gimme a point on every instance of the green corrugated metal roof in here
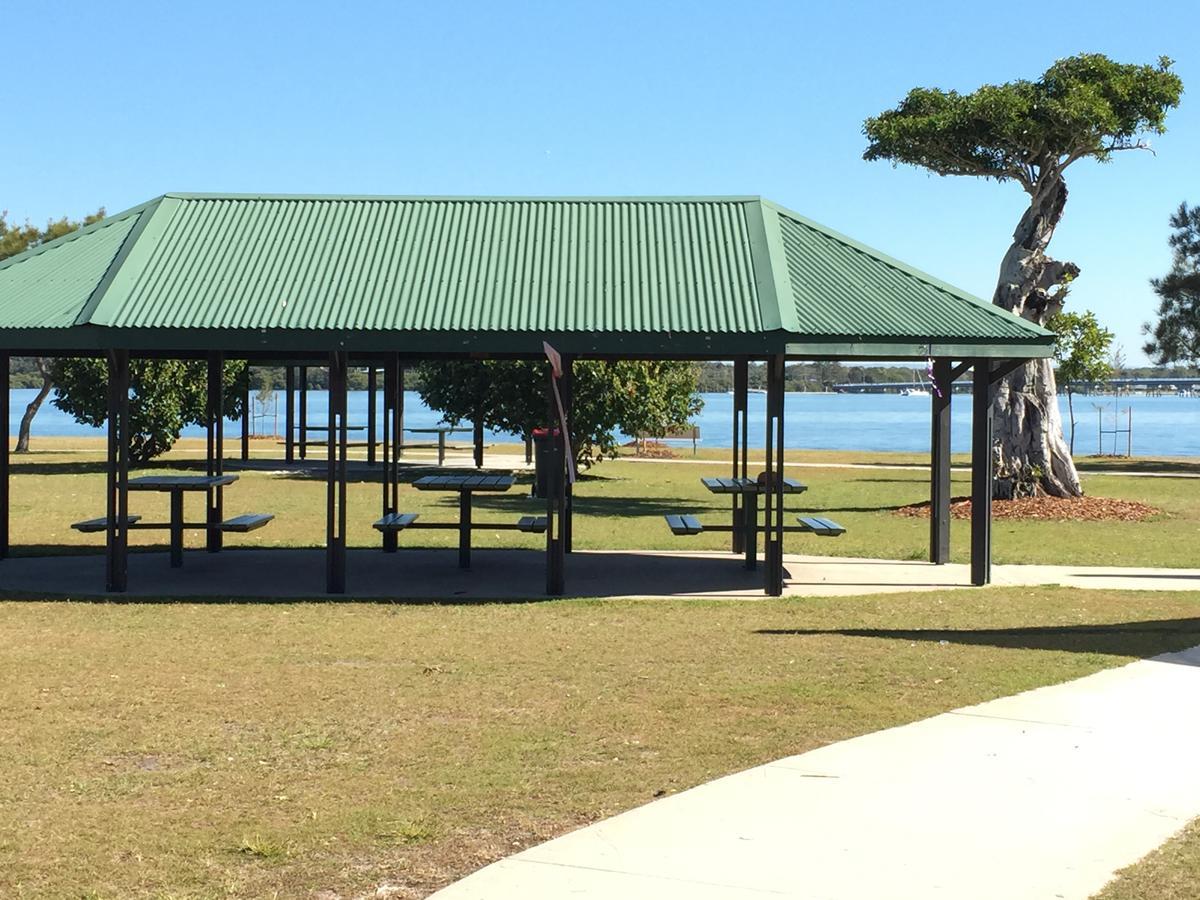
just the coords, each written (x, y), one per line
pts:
(683, 275)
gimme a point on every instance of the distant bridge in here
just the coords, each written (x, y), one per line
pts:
(1190, 383)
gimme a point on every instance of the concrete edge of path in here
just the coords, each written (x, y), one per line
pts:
(1042, 794)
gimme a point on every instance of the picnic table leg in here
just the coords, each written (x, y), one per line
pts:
(464, 529)
(176, 529)
(750, 528)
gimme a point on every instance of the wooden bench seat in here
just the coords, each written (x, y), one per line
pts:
(396, 521)
(820, 526)
(247, 522)
(532, 524)
(101, 524)
(684, 525)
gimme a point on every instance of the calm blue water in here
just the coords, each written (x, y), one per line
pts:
(1162, 426)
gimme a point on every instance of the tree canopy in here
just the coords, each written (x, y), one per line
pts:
(165, 396)
(1175, 337)
(1084, 106)
(1030, 131)
(631, 397)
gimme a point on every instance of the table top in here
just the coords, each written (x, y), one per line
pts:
(464, 483)
(179, 482)
(749, 486)
(446, 429)
(326, 427)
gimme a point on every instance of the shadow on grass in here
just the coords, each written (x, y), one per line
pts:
(1137, 640)
(1158, 466)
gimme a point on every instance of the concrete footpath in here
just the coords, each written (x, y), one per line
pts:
(1040, 795)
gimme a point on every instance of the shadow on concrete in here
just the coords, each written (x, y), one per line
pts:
(1137, 640)
(407, 576)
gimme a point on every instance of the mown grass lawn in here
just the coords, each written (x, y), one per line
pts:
(620, 505)
(249, 750)
(261, 750)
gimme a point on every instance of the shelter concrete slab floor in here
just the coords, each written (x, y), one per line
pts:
(283, 573)
(1040, 795)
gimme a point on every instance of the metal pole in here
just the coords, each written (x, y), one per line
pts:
(390, 473)
(567, 392)
(773, 490)
(289, 415)
(372, 389)
(939, 466)
(116, 543)
(4, 461)
(981, 474)
(246, 408)
(215, 416)
(335, 510)
(741, 395)
(304, 415)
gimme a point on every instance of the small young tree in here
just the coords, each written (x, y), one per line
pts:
(16, 239)
(1030, 132)
(1081, 352)
(165, 396)
(1175, 337)
(607, 397)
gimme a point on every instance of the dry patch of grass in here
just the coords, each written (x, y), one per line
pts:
(249, 750)
(1171, 872)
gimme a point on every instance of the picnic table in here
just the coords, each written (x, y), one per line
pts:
(749, 489)
(466, 486)
(441, 431)
(177, 486)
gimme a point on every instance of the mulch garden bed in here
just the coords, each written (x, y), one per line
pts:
(1085, 509)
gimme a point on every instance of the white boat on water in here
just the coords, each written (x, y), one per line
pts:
(914, 392)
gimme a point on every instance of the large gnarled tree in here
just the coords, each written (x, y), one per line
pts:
(1084, 107)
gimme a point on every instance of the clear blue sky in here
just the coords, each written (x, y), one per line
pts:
(113, 103)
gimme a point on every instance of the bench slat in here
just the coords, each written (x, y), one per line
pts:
(532, 524)
(247, 522)
(820, 526)
(100, 524)
(692, 524)
(396, 521)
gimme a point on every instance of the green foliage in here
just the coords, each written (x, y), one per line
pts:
(512, 396)
(1082, 106)
(165, 396)
(1081, 347)
(1175, 337)
(16, 239)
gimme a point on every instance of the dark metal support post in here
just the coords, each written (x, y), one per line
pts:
(555, 500)
(773, 491)
(4, 466)
(939, 466)
(981, 474)
(215, 457)
(116, 538)
(247, 408)
(567, 392)
(304, 415)
(289, 416)
(399, 435)
(335, 510)
(477, 440)
(372, 391)
(391, 472)
(741, 400)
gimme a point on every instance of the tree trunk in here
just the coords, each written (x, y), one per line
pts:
(1028, 426)
(34, 405)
